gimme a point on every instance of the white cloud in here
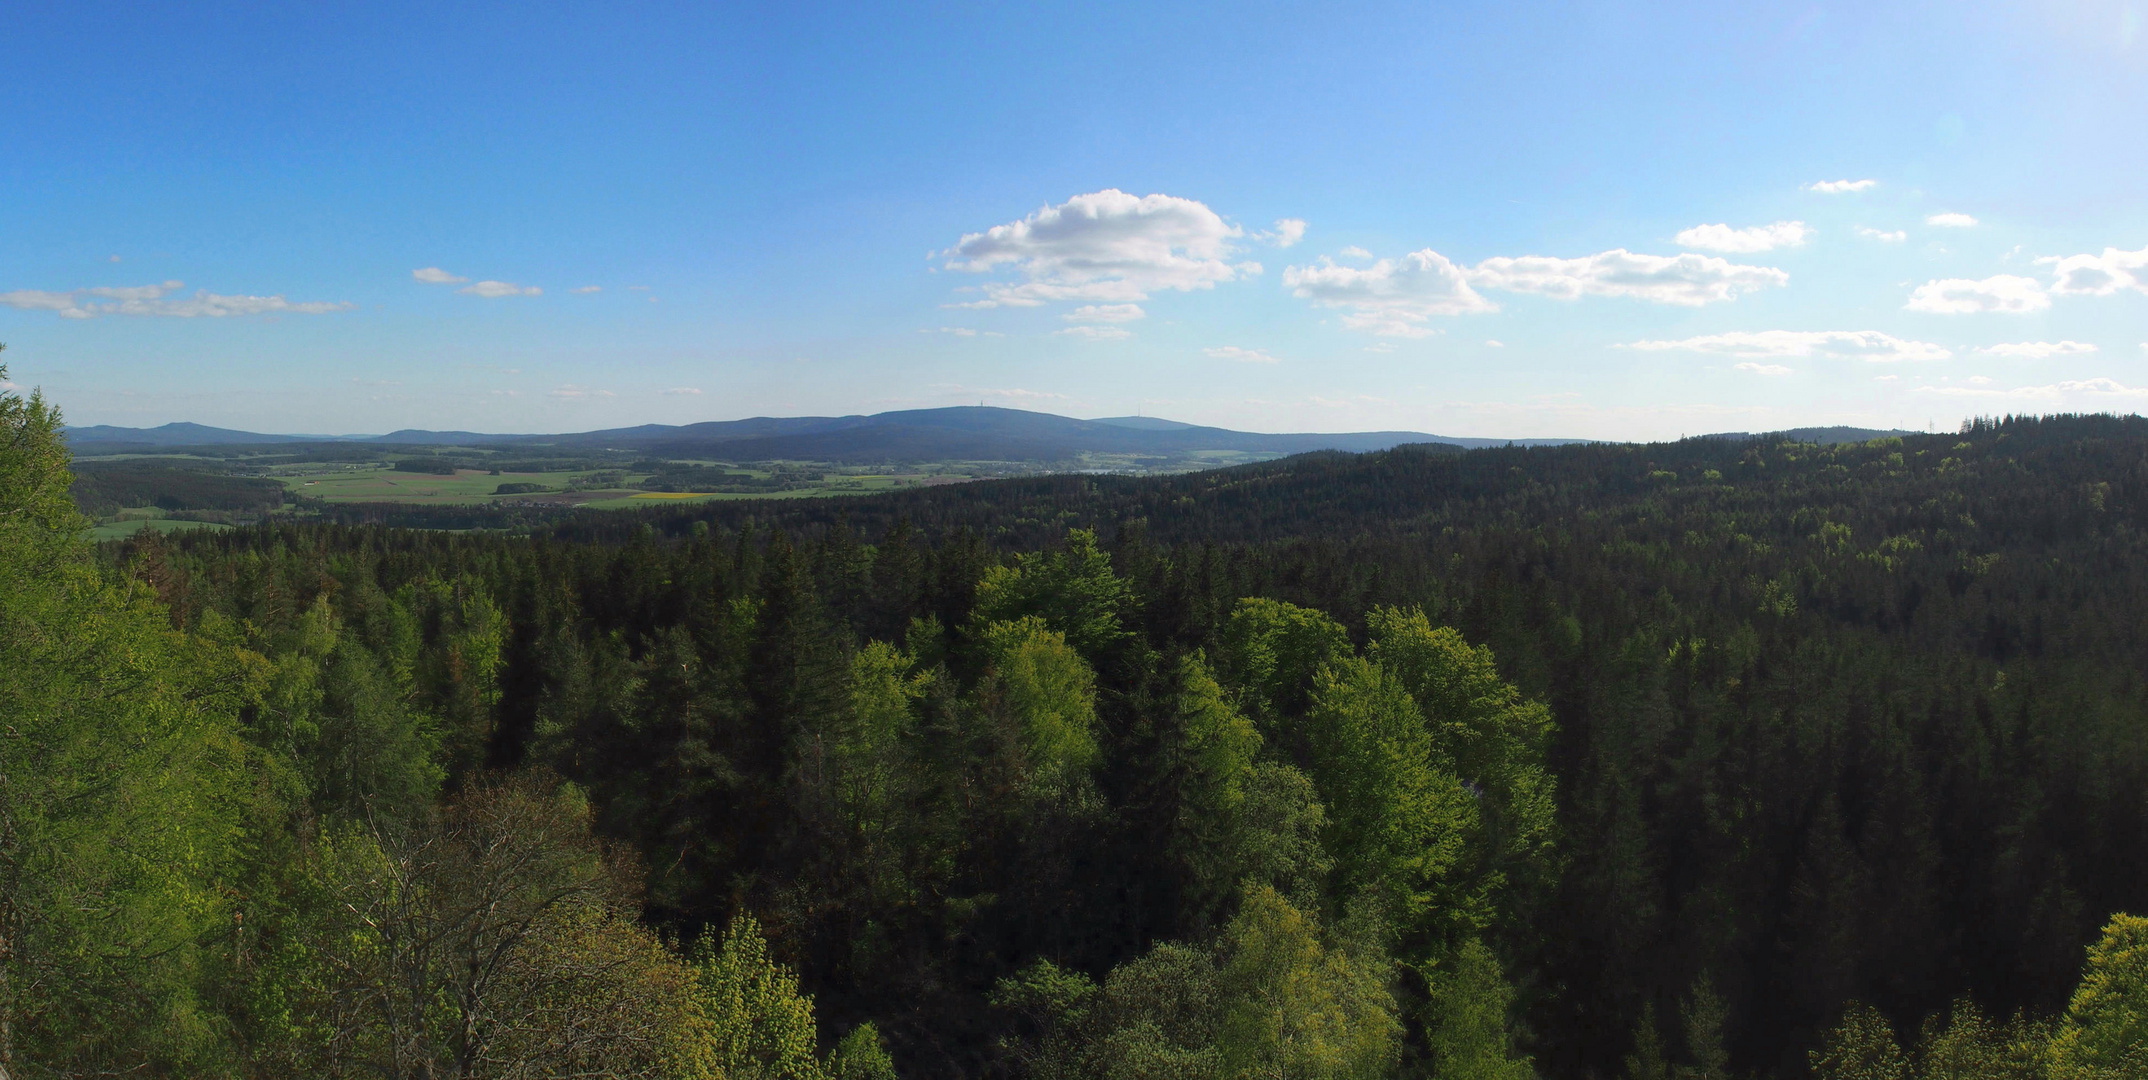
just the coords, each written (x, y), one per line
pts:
(433, 275)
(1685, 280)
(1745, 241)
(1287, 231)
(571, 391)
(585, 289)
(1355, 252)
(682, 391)
(1884, 237)
(153, 301)
(1096, 333)
(1395, 297)
(1979, 380)
(1951, 221)
(1247, 356)
(1961, 296)
(493, 290)
(961, 331)
(1105, 313)
(1495, 343)
(1840, 187)
(1389, 346)
(1762, 369)
(1392, 297)
(2039, 350)
(2090, 390)
(1104, 246)
(2098, 275)
(1870, 346)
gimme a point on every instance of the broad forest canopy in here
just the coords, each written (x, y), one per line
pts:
(1722, 757)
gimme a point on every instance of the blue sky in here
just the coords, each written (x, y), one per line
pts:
(1611, 221)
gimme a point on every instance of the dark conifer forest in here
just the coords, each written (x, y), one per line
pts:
(1722, 758)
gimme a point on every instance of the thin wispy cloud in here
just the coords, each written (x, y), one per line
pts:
(1105, 313)
(961, 331)
(1762, 369)
(1841, 187)
(1095, 333)
(2089, 390)
(433, 275)
(2039, 350)
(156, 301)
(2008, 294)
(1870, 346)
(1746, 241)
(1243, 356)
(681, 391)
(1883, 236)
(493, 290)
(1680, 280)
(1951, 221)
(587, 289)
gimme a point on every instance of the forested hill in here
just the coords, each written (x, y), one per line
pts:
(1706, 759)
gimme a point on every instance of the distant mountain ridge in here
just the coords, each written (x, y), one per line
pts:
(970, 432)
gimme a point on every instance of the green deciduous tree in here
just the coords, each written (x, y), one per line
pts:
(1468, 1030)
(1041, 686)
(2104, 1034)
(121, 794)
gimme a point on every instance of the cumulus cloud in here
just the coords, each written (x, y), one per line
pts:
(1881, 235)
(2039, 350)
(2098, 275)
(493, 290)
(433, 275)
(1840, 187)
(1106, 313)
(587, 289)
(2100, 389)
(156, 301)
(1745, 241)
(1355, 252)
(1392, 297)
(1685, 280)
(1096, 333)
(1246, 356)
(1870, 346)
(2005, 293)
(1951, 221)
(682, 391)
(1762, 369)
(1105, 246)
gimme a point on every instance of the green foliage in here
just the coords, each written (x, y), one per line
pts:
(1468, 1028)
(1862, 1048)
(122, 790)
(1273, 650)
(1272, 998)
(2105, 1029)
(759, 1027)
(1073, 591)
(1041, 685)
(1397, 821)
(1298, 1007)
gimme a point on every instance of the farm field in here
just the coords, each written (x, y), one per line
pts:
(621, 490)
